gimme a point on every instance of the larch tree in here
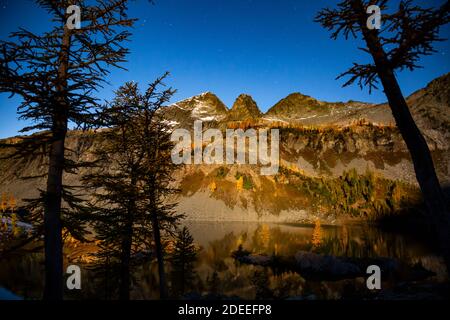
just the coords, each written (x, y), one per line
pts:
(182, 260)
(131, 209)
(404, 37)
(158, 170)
(56, 74)
(119, 223)
(4, 203)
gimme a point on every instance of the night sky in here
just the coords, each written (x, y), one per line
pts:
(267, 49)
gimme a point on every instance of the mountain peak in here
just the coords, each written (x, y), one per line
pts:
(207, 94)
(297, 105)
(205, 107)
(244, 108)
(298, 95)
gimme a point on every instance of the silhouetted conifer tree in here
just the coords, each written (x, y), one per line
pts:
(157, 171)
(125, 199)
(118, 221)
(182, 261)
(405, 36)
(56, 73)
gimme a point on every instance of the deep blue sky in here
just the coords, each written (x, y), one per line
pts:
(264, 48)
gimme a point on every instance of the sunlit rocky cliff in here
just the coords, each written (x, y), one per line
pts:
(337, 159)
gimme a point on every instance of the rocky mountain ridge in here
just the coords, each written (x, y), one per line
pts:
(429, 107)
(334, 157)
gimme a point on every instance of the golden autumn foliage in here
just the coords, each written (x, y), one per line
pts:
(69, 240)
(240, 241)
(317, 234)
(240, 183)
(396, 193)
(264, 235)
(14, 227)
(213, 186)
(4, 203)
(8, 202)
(292, 167)
(244, 125)
(12, 202)
(9, 227)
(254, 123)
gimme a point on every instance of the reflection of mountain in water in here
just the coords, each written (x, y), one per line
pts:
(217, 242)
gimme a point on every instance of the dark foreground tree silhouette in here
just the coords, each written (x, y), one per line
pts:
(119, 222)
(131, 183)
(56, 74)
(182, 259)
(404, 37)
(158, 170)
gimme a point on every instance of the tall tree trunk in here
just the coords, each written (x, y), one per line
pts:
(52, 222)
(53, 244)
(153, 152)
(434, 198)
(124, 289)
(159, 255)
(158, 246)
(127, 241)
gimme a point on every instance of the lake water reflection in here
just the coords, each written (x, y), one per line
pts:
(219, 275)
